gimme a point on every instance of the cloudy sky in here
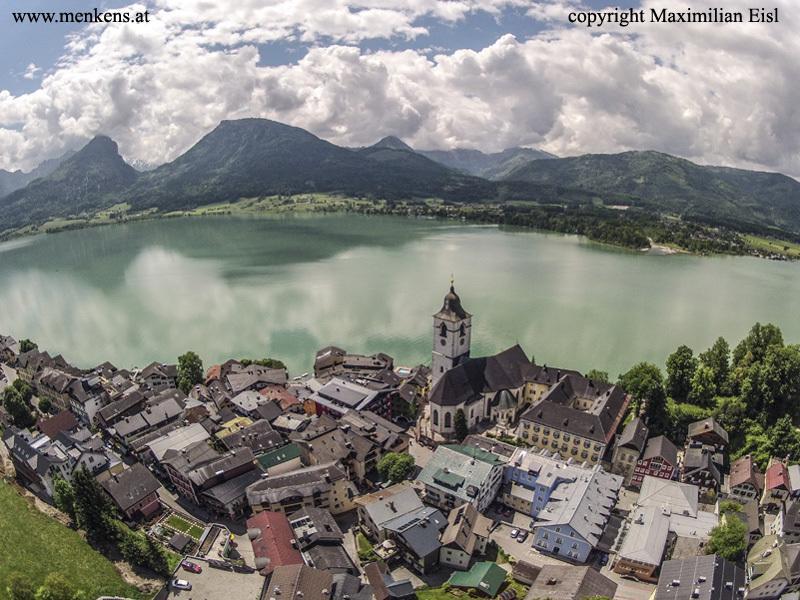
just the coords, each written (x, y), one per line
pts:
(485, 74)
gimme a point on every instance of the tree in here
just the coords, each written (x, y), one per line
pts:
(395, 467)
(679, 416)
(718, 358)
(64, 497)
(56, 587)
(93, 510)
(460, 424)
(190, 371)
(16, 407)
(681, 366)
(20, 587)
(753, 348)
(270, 363)
(703, 387)
(646, 384)
(728, 539)
(598, 375)
(45, 406)
(729, 506)
(26, 345)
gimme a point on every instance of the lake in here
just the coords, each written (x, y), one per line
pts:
(284, 287)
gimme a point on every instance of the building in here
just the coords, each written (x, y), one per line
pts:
(660, 459)
(773, 568)
(332, 361)
(322, 486)
(485, 578)
(702, 466)
(281, 460)
(643, 545)
(707, 431)
(308, 583)
(134, 492)
(378, 508)
(321, 541)
(745, 481)
(157, 377)
(272, 540)
(566, 582)
(628, 448)
(465, 537)
(787, 522)
(452, 333)
(578, 417)
(457, 474)
(384, 586)
(708, 577)
(777, 486)
(416, 535)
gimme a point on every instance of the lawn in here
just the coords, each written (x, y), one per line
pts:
(178, 523)
(36, 545)
(446, 592)
(771, 245)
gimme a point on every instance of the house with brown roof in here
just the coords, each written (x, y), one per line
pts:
(628, 447)
(52, 426)
(567, 582)
(745, 482)
(273, 541)
(707, 431)
(465, 537)
(660, 459)
(777, 486)
(134, 492)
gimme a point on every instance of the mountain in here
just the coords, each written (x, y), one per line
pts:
(393, 143)
(11, 181)
(488, 166)
(667, 184)
(87, 180)
(258, 157)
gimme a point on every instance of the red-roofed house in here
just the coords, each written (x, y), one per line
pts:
(273, 541)
(776, 486)
(745, 481)
(63, 421)
(282, 396)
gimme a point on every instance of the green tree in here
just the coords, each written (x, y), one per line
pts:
(731, 412)
(270, 363)
(395, 467)
(20, 587)
(26, 345)
(93, 510)
(718, 358)
(157, 557)
(64, 497)
(45, 406)
(190, 371)
(56, 587)
(460, 424)
(753, 348)
(16, 407)
(681, 366)
(598, 375)
(729, 506)
(679, 416)
(645, 384)
(703, 387)
(729, 539)
(24, 390)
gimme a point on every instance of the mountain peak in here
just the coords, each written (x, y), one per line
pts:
(392, 142)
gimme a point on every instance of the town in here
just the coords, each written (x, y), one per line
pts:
(484, 477)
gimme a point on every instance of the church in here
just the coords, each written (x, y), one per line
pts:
(492, 388)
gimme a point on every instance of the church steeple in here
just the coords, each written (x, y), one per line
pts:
(452, 330)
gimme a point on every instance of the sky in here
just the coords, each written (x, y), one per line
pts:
(485, 74)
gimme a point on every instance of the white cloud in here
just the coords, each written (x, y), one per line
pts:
(30, 71)
(724, 94)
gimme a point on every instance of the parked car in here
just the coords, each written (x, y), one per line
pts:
(522, 536)
(181, 584)
(603, 560)
(191, 567)
(514, 533)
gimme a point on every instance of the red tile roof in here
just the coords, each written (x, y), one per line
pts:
(272, 537)
(281, 395)
(63, 421)
(777, 475)
(744, 470)
(213, 373)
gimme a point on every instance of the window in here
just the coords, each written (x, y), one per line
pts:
(447, 419)
(556, 434)
(584, 455)
(443, 330)
(435, 417)
(462, 331)
(566, 437)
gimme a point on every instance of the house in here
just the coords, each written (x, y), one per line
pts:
(61, 422)
(384, 586)
(273, 541)
(484, 577)
(343, 393)
(501, 450)
(229, 498)
(321, 541)
(578, 418)
(280, 460)
(246, 403)
(9, 349)
(628, 448)
(794, 481)
(702, 467)
(749, 515)
(773, 568)
(777, 486)
(745, 482)
(416, 535)
(259, 437)
(156, 378)
(134, 492)
(332, 361)
(456, 474)
(787, 522)
(378, 508)
(707, 431)
(128, 404)
(644, 543)
(465, 537)
(308, 583)
(323, 486)
(567, 582)
(660, 459)
(525, 572)
(708, 577)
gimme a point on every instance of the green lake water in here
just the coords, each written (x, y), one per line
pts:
(284, 287)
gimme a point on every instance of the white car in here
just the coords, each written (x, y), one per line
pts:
(181, 584)
(514, 533)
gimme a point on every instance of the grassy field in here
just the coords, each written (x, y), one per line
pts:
(774, 246)
(178, 523)
(446, 592)
(35, 545)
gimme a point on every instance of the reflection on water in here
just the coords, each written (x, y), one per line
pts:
(227, 287)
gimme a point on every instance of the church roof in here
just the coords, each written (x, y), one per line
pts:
(451, 308)
(467, 381)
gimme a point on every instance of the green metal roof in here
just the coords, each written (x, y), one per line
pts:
(448, 479)
(476, 453)
(278, 456)
(486, 577)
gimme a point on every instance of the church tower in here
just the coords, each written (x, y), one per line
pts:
(452, 330)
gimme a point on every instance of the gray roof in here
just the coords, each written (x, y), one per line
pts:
(314, 525)
(419, 529)
(663, 447)
(646, 536)
(233, 490)
(711, 576)
(567, 582)
(404, 502)
(130, 486)
(259, 437)
(330, 558)
(454, 473)
(302, 482)
(451, 308)
(707, 426)
(634, 435)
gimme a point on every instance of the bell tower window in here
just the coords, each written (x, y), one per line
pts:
(443, 330)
